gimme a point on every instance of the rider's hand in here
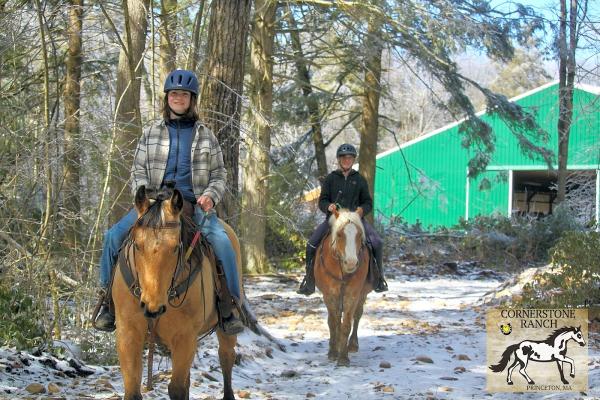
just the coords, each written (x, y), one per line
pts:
(360, 211)
(331, 207)
(206, 203)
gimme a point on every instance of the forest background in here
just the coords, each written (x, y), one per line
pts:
(283, 83)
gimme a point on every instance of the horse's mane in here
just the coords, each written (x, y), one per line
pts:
(550, 339)
(152, 217)
(345, 216)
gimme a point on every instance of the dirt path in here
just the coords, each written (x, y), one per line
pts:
(425, 338)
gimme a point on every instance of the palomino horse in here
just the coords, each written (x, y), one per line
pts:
(176, 299)
(341, 269)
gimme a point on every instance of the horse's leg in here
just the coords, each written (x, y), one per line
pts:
(333, 320)
(560, 359)
(510, 371)
(524, 373)
(570, 361)
(559, 364)
(130, 344)
(350, 305)
(182, 354)
(353, 343)
(227, 359)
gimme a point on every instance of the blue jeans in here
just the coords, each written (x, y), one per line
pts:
(113, 239)
(214, 232)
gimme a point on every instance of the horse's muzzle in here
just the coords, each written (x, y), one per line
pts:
(153, 314)
(349, 266)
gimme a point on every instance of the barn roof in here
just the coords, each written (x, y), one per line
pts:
(584, 87)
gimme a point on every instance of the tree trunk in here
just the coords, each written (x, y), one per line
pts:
(127, 114)
(370, 109)
(220, 99)
(311, 102)
(256, 170)
(194, 55)
(72, 149)
(168, 29)
(566, 82)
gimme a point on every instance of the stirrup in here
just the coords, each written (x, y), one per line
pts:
(102, 317)
(105, 321)
(305, 288)
(231, 325)
(382, 286)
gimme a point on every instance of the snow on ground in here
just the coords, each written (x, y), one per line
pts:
(425, 338)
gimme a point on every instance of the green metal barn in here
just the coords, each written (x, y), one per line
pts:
(425, 180)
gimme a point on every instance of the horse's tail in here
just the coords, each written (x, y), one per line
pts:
(505, 358)
(251, 322)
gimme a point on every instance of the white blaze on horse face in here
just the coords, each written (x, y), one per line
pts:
(351, 251)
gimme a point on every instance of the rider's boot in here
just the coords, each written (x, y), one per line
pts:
(307, 287)
(381, 285)
(228, 321)
(106, 317)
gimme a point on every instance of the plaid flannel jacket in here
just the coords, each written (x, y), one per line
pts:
(208, 170)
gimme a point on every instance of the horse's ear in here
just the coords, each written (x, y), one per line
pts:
(336, 213)
(141, 200)
(176, 202)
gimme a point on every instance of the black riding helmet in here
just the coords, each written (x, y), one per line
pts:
(346, 149)
(181, 79)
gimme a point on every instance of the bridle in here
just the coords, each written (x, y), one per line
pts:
(131, 275)
(340, 258)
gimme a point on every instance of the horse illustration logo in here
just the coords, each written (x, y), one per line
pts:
(506, 329)
(554, 348)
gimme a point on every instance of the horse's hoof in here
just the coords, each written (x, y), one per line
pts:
(352, 348)
(343, 362)
(228, 396)
(509, 383)
(572, 375)
(566, 382)
(531, 382)
(332, 355)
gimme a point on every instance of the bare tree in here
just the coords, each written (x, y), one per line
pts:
(194, 55)
(168, 29)
(221, 93)
(127, 113)
(258, 142)
(369, 126)
(312, 103)
(72, 147)
(566, 82)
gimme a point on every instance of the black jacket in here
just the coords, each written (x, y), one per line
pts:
(353, 192)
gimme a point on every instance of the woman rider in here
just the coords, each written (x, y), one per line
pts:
(178, 148)
(347, 188)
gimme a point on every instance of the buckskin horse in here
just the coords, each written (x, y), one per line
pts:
(341, 270)
(170, 298)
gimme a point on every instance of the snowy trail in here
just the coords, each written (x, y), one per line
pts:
(422, 339)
